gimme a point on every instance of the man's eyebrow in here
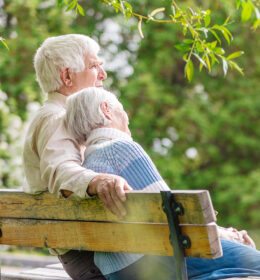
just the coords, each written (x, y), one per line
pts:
(96, 61)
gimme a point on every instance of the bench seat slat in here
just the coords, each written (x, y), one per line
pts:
(115, 237)
(16, 204)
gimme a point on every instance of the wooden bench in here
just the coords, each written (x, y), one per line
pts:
(45, 221)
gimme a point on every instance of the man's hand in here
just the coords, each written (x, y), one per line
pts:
(247, 239)
(111, 190)
(235, 235)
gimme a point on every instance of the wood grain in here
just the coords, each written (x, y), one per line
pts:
(113, 237)
(16, 204)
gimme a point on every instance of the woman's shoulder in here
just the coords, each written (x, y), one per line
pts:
(126, 144)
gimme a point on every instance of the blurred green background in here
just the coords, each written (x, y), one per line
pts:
(201, 135)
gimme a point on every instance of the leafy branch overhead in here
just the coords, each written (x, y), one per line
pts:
(202, 40)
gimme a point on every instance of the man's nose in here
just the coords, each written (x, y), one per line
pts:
(102, 75)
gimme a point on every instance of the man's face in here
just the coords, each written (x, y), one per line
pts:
(92, 75)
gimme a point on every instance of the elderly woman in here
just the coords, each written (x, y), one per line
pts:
(95, 117)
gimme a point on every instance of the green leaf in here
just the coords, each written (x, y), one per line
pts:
(182, 47)
(207, 20)
(215, 35)
(116, 5)
(199, 48)
(225, 66)
(235, 55)
(60, 3)
(189, 70)
(128, 15)
(213, 59)
(219, 51)
(178, 14)
(213, 44)
(184, 30)
(4, 43)
(188, 41)
(185, 57)
(235, 65)
(208, 62)
(128, 7)
(191, 11)
(226, 33)
(256, 24)
(191, 31)
(81, 10)
(246, 11)
(226, 37)
(72, 5)
(238, 3)
(226, 21)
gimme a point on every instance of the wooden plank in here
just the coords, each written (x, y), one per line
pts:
(111, 237)
(57, 266)
(21, 276)
(46, 272)
(16, 204)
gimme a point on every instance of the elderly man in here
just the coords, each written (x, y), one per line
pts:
(52, 158)
(95, 116)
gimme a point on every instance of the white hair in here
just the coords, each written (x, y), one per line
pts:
(57, 53)
(83, 112)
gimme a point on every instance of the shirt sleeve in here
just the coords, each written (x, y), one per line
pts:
(135, 165)
(60, 159)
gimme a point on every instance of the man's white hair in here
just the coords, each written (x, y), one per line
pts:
(83, 111)
(58, 53)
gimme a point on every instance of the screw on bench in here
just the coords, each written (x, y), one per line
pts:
(185, 241)
(177, 208)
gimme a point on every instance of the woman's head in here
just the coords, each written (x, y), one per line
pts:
(92, 108)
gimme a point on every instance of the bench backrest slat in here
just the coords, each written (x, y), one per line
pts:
(114, 237)
(141, 207)
(46, 221)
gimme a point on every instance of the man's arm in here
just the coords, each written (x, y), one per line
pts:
(60, 164)
(60, 158)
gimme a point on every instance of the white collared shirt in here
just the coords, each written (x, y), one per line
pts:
(52, 158)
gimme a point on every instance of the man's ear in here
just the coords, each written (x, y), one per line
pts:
(106, 110)
(66, 77)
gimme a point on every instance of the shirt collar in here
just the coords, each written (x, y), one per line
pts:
(57, 98)
(105, 133)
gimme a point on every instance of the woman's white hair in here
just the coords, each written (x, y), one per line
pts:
(57, 53)
(83, 111)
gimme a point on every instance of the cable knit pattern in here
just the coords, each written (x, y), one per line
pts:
(112, 151)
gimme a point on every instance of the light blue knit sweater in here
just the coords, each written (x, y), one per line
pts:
(112, 151)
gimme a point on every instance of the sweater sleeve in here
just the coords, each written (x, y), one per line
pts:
(133, 163)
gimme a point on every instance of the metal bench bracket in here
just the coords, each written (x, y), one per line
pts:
(178, 241)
